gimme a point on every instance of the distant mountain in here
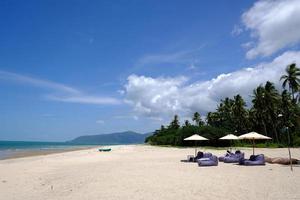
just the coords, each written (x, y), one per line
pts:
(128, 137)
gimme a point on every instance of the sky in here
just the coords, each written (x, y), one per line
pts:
(71, 68)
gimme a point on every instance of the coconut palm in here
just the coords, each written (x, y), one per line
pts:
(187, 123)
(272, 101)
(213, 119)
(259, 107)
(286, 108)
(240, 114)
(197, 119)
(224, 111)
(291, 78)
(175, 124)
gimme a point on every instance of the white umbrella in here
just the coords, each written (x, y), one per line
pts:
(229, 137)
(195, 138)
(254, 136)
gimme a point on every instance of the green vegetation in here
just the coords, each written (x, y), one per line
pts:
(273, 114)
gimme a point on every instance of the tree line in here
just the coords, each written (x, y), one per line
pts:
(272, 113)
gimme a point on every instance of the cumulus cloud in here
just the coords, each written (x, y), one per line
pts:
(60, 92)
(148, 95)
(166, 96)
(273, 24)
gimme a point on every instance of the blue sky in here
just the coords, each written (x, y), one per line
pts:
(70, 68)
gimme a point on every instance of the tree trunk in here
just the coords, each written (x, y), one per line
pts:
(293, 95)
(276, 134)
(265, 129)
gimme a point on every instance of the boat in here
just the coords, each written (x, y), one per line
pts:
(104, 149)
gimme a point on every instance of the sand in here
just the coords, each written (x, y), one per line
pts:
(144, 172)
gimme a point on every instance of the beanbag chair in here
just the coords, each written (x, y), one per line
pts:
(207, 155)
(200, 155)
(234, 158)
(231, 157)
(211, 161)
(254, 160)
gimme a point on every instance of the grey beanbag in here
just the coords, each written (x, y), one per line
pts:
(211, 161)
(233, 158)
(254, 160)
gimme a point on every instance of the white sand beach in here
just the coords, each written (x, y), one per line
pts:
(144, 172)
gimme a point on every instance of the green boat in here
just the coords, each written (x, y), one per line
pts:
(104, 150)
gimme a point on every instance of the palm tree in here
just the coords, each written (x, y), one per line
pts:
(197, 119)
(286, 108)
(291, 79)
(175, 124)
(259, 106)
(240, 114)
(224, 111)
(213, 119)
(289, 110)
(187, 123)
(272, 103)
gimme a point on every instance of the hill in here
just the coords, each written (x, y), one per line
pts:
(127, 137)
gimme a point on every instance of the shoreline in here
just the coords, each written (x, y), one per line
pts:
(14, 154)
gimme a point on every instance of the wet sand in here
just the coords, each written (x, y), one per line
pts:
(39, 152)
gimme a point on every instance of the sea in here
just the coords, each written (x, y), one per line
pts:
(9, 149)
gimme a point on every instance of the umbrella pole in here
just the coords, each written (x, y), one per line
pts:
(253, 146)
(195, 148)
(289, 142)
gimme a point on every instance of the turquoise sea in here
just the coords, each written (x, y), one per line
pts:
(8, 148)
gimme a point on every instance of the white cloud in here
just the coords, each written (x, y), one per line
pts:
(84, 99)
(273, 24)
(100, 121)
(60, 92)
(237, 30)
(247, 45)
(163, 97)
(148, 95)
(179, 57)
(162, 58)
(127, 117)
(4, 75)
(121, 92)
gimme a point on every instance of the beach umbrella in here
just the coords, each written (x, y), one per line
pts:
(254, 136)
(195, 138)
(229, 137)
